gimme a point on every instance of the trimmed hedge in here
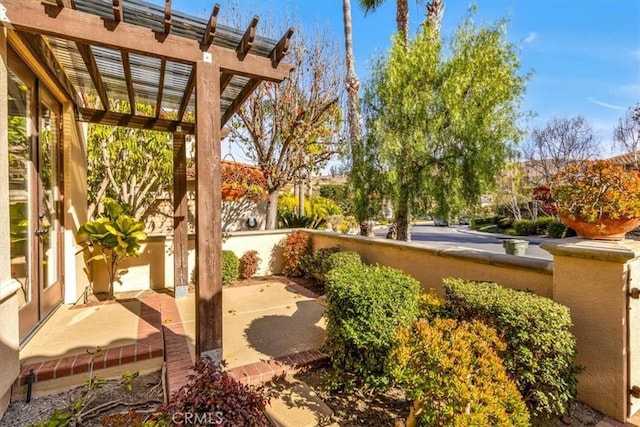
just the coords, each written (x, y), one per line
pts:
(524, 227)
(543, 223)
(365, 306)
(320, 262)
(453, 372)
(339, 259)
(312, 263)
(540, 346)
(558, 230)
(230, 264)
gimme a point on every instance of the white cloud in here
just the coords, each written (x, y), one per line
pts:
(531, 37)
(604, 104)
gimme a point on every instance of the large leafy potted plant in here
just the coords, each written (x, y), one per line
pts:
(598, 199)
(117, 234)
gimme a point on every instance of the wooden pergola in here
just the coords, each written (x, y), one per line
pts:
(196, 74)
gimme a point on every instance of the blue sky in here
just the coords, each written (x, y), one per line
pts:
(584, 54)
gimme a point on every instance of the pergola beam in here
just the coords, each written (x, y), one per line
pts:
(40, 50)
(112, 118)
(117, 10)
(210, 31)
(246, 91)
(167, 16)
(180, 217)
(187, 94)
(225, 79)
(126, 66)
(246, 43)
(163, 70)
(208, 340)
(70, 24)
(94, 72)
(281, 49)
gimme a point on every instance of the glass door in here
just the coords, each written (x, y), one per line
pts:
(49, 232)
(34, 195)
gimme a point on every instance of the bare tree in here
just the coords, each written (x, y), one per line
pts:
(626, 134)
(560, 142)
(291, 129)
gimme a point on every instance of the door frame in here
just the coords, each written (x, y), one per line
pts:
(43, 300)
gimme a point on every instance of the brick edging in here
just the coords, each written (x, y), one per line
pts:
(266, 370)
(150, 347)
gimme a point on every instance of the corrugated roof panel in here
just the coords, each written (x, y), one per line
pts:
(145, 70)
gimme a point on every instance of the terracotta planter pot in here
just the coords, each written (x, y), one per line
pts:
(604, 229)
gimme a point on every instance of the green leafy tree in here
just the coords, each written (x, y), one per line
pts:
(444, 117)
(131, 166)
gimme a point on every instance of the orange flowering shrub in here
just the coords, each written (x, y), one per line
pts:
(455, 375)
(245, 180)
(593, 189)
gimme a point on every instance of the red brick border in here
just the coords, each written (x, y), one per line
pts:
(266, 370)
(149, 347)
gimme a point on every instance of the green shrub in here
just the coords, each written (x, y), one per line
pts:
(320, 262)
(558, 230)
(339, 259)
(365, 306)
(293, 220)
(297, 246)
(319, 207)
(505, 223)
(524, 227)
(540, 346)
(491, 228)
(431, 305)
(455, 376)
(312, 264)
(230, 264)
(479, 222)
(249, 263)
(543, 223)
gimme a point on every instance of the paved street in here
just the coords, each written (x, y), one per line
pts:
(462, 236)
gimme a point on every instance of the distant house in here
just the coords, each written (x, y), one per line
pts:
(629, 160)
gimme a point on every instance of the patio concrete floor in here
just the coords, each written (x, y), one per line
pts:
(273, 320)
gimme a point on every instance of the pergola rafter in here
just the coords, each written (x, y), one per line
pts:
(161, 58)
(210, 31)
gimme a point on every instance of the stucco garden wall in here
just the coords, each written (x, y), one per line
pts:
(154, 268)
(429, 264)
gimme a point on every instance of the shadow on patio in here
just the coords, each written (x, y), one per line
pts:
(268, 328)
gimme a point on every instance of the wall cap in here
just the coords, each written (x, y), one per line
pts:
(8, 289)
(606, 250)
(474, 255)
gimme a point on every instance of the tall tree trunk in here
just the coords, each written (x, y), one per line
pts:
(435, 10)
(402, 216)
(272, 210)
(353, 105)
(402, 18)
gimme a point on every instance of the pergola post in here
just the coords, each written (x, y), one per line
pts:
(180, 217)
(208, 211)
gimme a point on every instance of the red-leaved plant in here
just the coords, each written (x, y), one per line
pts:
(212, 395)
(249, 264)
(297, 246)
